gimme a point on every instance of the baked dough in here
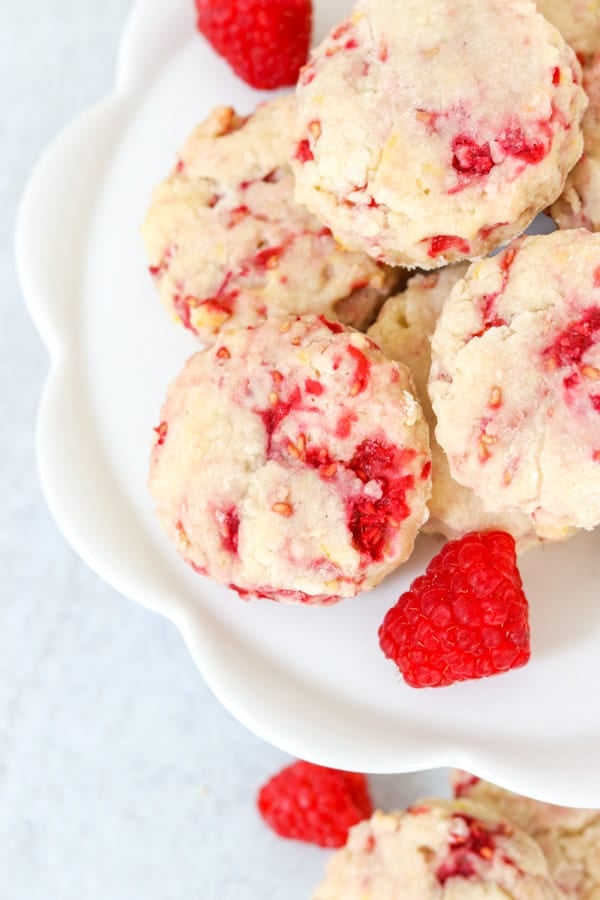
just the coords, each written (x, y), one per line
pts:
(227, 244)
(433, 132)
(515, 381)
(292, 462)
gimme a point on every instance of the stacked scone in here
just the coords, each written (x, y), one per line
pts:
(296, 458)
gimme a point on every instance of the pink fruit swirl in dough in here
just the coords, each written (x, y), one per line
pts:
(292, 462)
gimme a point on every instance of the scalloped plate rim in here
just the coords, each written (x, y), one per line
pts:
(476, 757)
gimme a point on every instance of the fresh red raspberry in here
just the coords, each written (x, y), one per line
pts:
(315, 804)
(466, 617)
(266, 42)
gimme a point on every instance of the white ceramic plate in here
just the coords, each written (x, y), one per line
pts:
(312, 681)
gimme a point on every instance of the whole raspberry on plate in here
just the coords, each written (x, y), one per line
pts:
(265, 43)
(466, 617)
(314, 803)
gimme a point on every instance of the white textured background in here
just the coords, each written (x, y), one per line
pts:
(120, 775)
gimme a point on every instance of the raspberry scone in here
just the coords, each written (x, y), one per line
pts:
(515, 381)
(577, 20)
(416, 143)
(227, 243)
(292, 461)
(579, 204)
(437, 850)
(570, 838)
(403, 331)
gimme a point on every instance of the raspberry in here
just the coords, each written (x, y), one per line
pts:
(570, 346)
(314, 804)
(514, 143)
(265, 43)
(471, 158)
(467, 850)
(466, 617)
(442, 242)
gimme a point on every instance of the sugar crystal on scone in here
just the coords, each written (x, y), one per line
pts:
(438, 850)
(228, 245)
(292, 461)
(433, 132)
(515, 381)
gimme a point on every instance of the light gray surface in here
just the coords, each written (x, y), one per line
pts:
(121, 777)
